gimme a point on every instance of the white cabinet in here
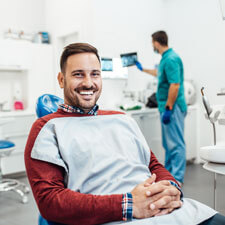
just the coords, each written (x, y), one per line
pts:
(27, 67)
(17, 131)
(149, 123)
(30, 67)
(191, 133)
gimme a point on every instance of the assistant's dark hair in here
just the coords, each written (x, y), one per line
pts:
(76, 48)
(161, 37)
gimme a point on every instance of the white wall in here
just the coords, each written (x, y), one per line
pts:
(122, 27)
(114, 27)
(67, 21)
(197, 32)
(26, 15)
(195, 28)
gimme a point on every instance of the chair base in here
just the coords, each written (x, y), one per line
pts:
(16, 186)
(6, 151)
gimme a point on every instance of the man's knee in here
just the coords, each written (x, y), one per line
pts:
(217, 219)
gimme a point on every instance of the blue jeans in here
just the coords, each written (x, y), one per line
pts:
(174, 144)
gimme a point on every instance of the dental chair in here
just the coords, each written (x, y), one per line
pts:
(47, 104)
(6, 147)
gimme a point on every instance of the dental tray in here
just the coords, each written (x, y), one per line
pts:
(214, 153)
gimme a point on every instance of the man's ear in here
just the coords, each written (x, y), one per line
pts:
(61, 79)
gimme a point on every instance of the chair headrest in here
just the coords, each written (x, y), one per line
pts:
(47, 104)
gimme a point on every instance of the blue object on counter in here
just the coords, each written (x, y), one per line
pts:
(44, 37)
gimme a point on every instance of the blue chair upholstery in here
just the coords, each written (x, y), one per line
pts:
(42, 221)
(47, 104)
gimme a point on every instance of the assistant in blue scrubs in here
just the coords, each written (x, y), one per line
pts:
(170, 71)
(171, 104)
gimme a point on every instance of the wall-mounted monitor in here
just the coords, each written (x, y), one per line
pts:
(107, 64)
(129, 59)
(113, 69)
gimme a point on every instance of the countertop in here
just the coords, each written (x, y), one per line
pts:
(215, 167)
(17, 113)
(147, 110)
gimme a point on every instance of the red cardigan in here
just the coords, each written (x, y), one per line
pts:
(60, 204)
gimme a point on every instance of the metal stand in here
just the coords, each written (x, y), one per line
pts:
(13, 185)
(214, 203)
(214, 140)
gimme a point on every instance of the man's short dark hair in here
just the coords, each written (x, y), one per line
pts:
(76, 48)
(161, 37)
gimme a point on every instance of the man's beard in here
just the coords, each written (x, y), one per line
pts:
(156, 50)
(74, 99)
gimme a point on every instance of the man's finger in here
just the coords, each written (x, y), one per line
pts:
(156, 188)
(164, 182)
(163, 212)
(161, 203)
(150, 180)
(174, 204)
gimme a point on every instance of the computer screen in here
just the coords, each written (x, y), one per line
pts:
(107, 64)
(128, 59)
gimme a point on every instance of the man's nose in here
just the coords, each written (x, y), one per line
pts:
(87, 81)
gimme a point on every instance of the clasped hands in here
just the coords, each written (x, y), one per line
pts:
(155, 199)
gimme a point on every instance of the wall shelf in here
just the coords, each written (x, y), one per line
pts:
(16, 68)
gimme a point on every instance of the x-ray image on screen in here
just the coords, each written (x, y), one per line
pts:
(107, 64)
(128, 59)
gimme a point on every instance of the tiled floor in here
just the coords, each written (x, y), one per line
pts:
(198, 185)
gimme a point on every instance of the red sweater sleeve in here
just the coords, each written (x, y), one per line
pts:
(159, 170)
(60, 204)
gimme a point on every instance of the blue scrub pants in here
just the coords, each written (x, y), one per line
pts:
(174, 144)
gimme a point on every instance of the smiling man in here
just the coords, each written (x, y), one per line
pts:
(81, 79)
(89, 166)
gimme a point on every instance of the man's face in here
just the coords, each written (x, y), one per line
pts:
(155, 46)
(82, 81)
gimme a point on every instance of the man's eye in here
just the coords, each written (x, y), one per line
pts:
(77, 74)
(95, 74)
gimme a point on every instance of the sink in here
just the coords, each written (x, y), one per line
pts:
(213, 153)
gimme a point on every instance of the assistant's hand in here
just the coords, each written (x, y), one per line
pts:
(139, 66)
(164, 196)
(166, 118)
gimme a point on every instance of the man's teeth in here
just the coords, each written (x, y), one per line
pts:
(86, 92)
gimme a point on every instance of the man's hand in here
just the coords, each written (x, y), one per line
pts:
(165, 197)
(167, 116)
(139, 66)
(141, 201)
(154, 199)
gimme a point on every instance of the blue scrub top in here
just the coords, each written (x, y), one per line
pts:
(170, 71)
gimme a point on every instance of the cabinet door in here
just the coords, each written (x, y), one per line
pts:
(149, 124)
(16, 131)
(190, 134)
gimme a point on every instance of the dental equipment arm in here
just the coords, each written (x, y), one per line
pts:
(209, 112)
(206, 103)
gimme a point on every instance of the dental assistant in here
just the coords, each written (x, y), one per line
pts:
(171, 104)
